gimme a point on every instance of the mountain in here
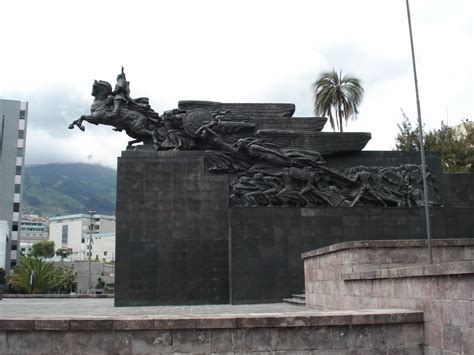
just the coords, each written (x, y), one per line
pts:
(61, 189)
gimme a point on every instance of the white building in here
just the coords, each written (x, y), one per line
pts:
(26, 248)
(34, 228)
(73, 231)
(4, 234)
(103, 247)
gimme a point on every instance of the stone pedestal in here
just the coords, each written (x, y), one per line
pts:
(172, 232)
(179, 242)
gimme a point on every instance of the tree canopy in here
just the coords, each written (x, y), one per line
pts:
(34, 275)
(337, 97)
(455, 144)
(43, 249)
(62, 278)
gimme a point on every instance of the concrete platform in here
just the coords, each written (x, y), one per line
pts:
(95, 326)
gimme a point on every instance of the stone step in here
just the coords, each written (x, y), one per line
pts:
(300, 296)
(295, 301)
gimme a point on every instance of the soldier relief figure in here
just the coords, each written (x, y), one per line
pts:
(267, 163)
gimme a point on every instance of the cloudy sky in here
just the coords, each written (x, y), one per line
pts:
(230, 51)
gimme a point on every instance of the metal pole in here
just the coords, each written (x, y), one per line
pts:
(91, 212)
(422, 147)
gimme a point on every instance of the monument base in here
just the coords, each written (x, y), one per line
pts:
(172, 231)
(179, 242)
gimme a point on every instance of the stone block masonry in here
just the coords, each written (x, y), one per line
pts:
(179, 242)
(309, 332)
(458, 189)
(267, 242)
(172, 244)
(395, 274)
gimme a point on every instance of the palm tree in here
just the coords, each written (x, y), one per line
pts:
(33, 275)
(337, 96)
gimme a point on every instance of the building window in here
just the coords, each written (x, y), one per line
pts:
(15, 227)
(17, 188)
(105, 253)
(64, 233)
(19, 152)
(16, 207)
(18, 170)
(21, 134)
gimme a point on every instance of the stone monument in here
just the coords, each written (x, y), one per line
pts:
(219, 200)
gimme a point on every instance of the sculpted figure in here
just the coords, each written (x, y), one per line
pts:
(117, 109)
(260, 150)
(121, 93)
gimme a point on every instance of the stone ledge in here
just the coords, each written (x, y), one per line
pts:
(37, 295)
(398, 243)
(162, 153)
(440, 269)
(306, 319)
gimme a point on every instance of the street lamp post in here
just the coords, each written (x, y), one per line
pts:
(91, 213)
(420, 137)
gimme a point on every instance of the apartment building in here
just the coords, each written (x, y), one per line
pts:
(13, 123)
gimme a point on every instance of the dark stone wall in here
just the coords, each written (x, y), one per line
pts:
(457, 189)
(172, 232)
(178, 242)
(267, 243)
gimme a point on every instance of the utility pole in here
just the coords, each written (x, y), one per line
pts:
(91, 213)
(420, 137)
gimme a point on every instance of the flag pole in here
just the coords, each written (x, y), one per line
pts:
(420, 137)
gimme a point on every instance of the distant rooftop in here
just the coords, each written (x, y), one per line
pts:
(80, 216)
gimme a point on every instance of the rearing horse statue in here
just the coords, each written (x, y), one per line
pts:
(135, 117)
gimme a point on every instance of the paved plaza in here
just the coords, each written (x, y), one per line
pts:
(74, 307)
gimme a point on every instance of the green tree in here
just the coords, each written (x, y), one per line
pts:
(62, 278)
(2, 276)
(32, 275)
(455, 144)
(43, 249)
(407, 138)
(337, 97)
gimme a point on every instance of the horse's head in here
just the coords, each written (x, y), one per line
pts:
(101, 89)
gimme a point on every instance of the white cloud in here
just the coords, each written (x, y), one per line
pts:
(230, 51)
(92, 146)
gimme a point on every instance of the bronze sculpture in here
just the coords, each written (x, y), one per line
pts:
(270, 154)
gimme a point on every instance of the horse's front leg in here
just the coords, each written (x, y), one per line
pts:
(132, 142)
(78, 123)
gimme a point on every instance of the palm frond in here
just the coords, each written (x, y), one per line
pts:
(337, 97)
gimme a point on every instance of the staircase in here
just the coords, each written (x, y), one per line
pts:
(296, 299)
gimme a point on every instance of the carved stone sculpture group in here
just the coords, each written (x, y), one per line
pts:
(274, 159)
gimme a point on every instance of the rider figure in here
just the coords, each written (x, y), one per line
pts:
(121, 93)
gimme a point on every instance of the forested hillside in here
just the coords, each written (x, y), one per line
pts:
(59, 189)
